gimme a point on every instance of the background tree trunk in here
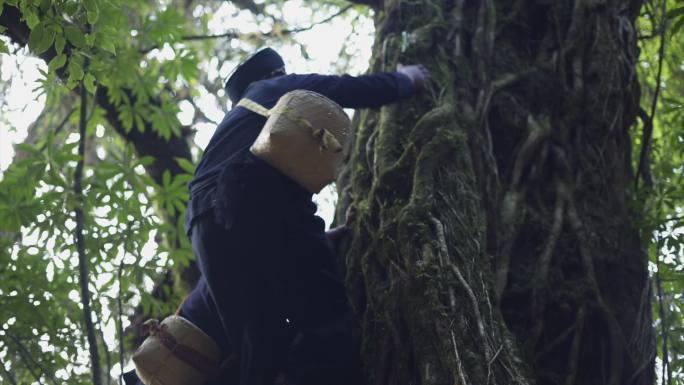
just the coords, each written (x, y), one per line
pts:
(493, 239)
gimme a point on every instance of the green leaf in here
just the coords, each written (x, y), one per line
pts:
(92, 11)
(75, 74)
(57, 62)
(31, 17)
(75, 36)
(41, 38)
(186, 165)
(89, 83)
(677, 26)
(147, 160)
(44, 5)
(59, 43)
(90, 39)
(126, 116)
(3, 47)
(75, 70)
(108, 45)
(139, 122)
(671, 14)
(25, 147)
(166, 178)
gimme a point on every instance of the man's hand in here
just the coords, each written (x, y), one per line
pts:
(418, 74)
(336, 234)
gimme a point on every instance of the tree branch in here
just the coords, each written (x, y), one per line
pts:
(147, 143)
(644, 167)
(80, 246)
(648, 128)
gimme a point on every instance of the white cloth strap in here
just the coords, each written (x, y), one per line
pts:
(254, 107)
(326, 139)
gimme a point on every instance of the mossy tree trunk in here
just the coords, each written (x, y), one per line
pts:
(493, 238)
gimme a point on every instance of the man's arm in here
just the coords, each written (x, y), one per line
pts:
(366, 91)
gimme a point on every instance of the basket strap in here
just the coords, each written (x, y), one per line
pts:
(196, 359)
(324, 137)
(254, 107)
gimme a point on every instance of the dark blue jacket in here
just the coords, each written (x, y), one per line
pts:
(240, 127)
(268, 271)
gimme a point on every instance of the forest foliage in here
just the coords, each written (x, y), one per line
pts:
(120, 72)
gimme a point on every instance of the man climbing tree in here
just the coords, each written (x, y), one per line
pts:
(269, 294)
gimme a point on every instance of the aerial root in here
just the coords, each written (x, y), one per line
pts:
(541, 274)
(575, 347)
(444, 250)
(616, 339)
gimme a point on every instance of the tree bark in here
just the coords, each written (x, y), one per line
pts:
(493, 239)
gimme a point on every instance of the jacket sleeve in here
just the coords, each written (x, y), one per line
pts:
(365, 91)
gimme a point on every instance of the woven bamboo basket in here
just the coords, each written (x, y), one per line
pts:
(176, 353)
(304, 137)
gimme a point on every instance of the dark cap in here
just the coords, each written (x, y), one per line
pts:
(256, 67)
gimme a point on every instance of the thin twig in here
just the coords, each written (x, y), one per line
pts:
(444, 253)
(489, 364)
(663, 321)
(323, 21)
(198, 111)
(459, 365)
(231, 34)
(234, 34)
(8, 374)
(60, 126)
(120, 330)
(108, 354)
(80, 245)
(26, 356)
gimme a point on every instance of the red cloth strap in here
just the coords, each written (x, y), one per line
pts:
(187, 354)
